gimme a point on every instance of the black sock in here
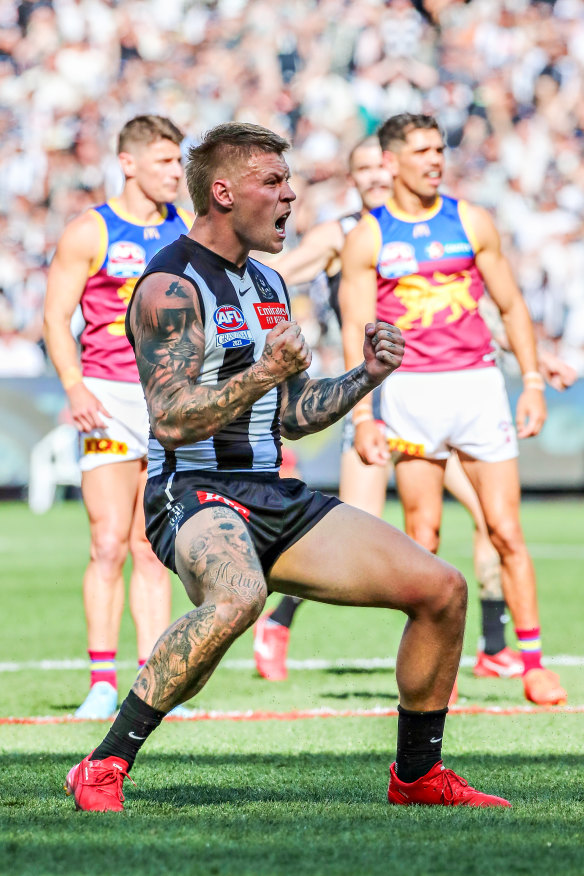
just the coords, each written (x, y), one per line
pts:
(494, 620)
(283, 614)
(135, 722)
(419, 742)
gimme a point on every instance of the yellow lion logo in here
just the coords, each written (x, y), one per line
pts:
(423, 300)
(118, 326)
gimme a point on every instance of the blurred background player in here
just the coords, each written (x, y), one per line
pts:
(98, 260)
(420, 262)
(364, 486)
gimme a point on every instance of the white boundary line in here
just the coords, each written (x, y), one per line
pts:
(310, 665)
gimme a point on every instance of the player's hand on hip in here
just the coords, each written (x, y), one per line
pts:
(531, 413)
(370, 443)
(86, 409)
(383, 349)
(285, 352)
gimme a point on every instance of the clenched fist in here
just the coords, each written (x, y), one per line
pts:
(383, 349)
(285, 352)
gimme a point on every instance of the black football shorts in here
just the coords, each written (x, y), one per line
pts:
(277, 511)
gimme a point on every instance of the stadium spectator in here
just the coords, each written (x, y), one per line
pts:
(223, 370)
(98, 259)
(504, 81)
(420, 262)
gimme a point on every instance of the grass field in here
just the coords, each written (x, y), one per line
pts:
(285, 796)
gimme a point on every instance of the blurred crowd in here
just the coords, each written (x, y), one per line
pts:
(504, 77)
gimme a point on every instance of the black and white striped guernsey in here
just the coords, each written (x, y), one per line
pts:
(239, 306)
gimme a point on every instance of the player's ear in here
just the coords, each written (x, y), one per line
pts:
(222, 192)
(128, 164)
(390, 161)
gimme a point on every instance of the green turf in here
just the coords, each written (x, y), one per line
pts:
(285, 797)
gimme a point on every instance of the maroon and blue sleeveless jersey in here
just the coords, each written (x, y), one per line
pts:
(428, 285)
(239, 306)
(126, 246)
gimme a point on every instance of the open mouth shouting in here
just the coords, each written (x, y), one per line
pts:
(280, 225)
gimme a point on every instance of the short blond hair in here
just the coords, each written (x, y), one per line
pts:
(144, 130)
(229, 142)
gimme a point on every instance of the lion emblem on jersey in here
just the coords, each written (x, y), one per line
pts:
(118, 326)
(423, 299)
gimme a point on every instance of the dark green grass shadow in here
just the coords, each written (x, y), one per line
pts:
(318, 813)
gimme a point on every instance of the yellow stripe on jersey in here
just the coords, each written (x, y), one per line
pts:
(467, 225)
(115, 205)
(374, 225)
(400, 214)
(99, 260)
(187, 217)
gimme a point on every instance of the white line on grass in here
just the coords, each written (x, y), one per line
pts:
(310, 665)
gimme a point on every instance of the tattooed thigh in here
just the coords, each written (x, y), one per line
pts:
(215, 558)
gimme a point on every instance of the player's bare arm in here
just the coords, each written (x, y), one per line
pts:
(319, 249)
(312, 405)
(170, 344)
(358, 300)
(498, 277)
(224, 562)
(66, 281)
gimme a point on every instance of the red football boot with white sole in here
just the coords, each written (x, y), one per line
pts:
(504, 664)
(439, 787)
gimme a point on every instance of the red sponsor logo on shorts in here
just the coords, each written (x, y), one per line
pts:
(204, 496)
(270, 315)
(105, 445)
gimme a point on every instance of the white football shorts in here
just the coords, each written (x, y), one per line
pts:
(125, 436)
(428, 415)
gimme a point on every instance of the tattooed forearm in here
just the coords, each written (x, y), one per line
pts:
(312, 405)
(170, 345)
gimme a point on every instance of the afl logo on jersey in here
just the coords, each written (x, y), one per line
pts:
(126, 259)
(397, 259)
(232, 330)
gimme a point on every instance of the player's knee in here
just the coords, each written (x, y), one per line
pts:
(143, 557)
(425, 533)
(108, 550)
(450, 593)
(240, 610)
(507, 537)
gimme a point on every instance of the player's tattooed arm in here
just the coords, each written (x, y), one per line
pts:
(169, 338)
(311, 405)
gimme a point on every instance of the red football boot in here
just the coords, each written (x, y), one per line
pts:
(542, 686)
(504, 664)
(96, 785)
(270, 646)
(439, 787)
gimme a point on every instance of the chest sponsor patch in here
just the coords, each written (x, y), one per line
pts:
(232, 329)
(126, 259)
(105, 445)
(396, 259)
(205, 496)
(435, 250)
(270, 315)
